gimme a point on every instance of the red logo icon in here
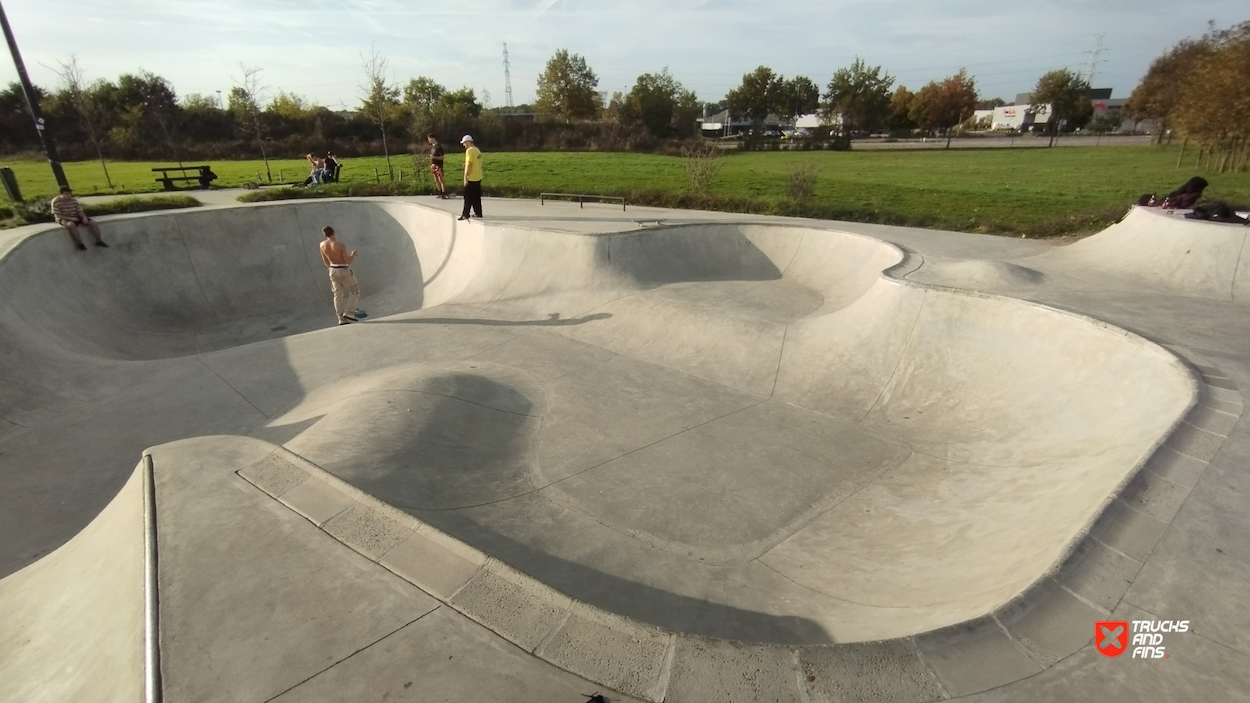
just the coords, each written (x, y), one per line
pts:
(1111, 637)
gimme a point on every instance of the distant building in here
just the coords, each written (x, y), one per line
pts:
(1022, 115)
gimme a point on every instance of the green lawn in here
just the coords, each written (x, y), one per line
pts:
(994, 190)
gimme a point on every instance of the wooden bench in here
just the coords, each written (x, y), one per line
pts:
(203, 175)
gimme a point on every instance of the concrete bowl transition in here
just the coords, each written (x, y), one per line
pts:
(749, 431)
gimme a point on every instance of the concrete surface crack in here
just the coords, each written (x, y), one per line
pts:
(231, 387)
(781, 354)
(902, 355)
(349, 656)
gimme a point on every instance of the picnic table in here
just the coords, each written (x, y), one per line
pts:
(203, 175)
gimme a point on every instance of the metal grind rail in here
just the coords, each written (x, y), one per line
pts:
(581, 198)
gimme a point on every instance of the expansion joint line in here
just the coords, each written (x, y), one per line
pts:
(231, 387)
(358, 651)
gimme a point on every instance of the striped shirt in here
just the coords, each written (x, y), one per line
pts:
(66, 207)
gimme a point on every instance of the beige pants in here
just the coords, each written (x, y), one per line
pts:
(346, 291)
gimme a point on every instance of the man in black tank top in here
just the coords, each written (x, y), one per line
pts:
(436, 164)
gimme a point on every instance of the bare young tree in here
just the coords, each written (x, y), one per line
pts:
(86, 104)
(379, 99)
(248, 94)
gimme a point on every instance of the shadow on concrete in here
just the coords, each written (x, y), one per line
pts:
(471, 453)
(553, 320)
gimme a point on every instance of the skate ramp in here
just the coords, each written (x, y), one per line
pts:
(71, 625)
(1164, 249)
(655, 413)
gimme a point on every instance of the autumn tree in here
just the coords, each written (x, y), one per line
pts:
(939, 106)
(1213, 105)
(858, 96)
(1159, 93)
(1066, 94)
(379, 99)
(567, 88)
(899, 117)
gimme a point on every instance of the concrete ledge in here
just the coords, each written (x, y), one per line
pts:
(875, 671)
(716, 670)
(434, 563)
(317, 500)
(1196, 443)
(1049, 622)
(520, 609)
(975, 656)
(1098, 574)
(274, 474)
(610, 649)
(370, 531)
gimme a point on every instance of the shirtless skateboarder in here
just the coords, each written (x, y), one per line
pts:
(342, 282)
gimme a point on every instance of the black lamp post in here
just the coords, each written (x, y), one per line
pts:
(32, 101)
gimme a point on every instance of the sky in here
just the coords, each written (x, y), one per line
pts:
(314, 48)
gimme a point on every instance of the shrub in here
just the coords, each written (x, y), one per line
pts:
(702, 160)
(801, 182)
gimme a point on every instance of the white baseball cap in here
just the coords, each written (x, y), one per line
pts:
(466, 138)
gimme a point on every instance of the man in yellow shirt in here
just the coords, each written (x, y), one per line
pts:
(472, 178)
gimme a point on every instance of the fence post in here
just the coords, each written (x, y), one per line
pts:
(376, 177)
(280, 178)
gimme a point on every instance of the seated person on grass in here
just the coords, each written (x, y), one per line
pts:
(69, 214)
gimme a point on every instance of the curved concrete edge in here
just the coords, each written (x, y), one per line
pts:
(1034, 631)
(72, 623)
(152, 689)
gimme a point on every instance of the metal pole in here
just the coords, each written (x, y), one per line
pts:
(32, 101)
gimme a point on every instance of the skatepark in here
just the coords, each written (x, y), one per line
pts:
(663, 455)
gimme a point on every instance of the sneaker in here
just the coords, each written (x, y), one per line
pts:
(345, 320)
(360, 314)
(100, 243)
(461, 218)
(351, 318)
(81, 246)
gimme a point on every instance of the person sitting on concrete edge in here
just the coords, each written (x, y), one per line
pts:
(68, 213)
(343, 284)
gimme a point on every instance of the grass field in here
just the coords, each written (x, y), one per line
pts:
(1053, 191)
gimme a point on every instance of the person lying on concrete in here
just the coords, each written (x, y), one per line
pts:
(1186, 196)
(342, 281)
(68, 213)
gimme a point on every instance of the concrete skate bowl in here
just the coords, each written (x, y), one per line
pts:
(737, 430)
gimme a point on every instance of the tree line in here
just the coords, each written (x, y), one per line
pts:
(140, 116)
(1200, 89)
